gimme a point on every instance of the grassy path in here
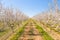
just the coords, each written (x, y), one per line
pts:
(43, 33)
(51, 32)
(18, 32)
(30, 33)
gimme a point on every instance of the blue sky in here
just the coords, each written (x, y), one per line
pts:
(29, 7)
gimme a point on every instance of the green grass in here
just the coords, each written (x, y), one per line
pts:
(3, 32)
(18, 32)
(43, 33)
(52, 28)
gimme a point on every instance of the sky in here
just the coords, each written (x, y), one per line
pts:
(29, 7)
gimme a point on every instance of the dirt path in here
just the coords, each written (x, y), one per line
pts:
(30, 33)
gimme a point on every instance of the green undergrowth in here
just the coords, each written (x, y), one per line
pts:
(18, 33)
(52, 28)
(43, 33)
(2, 33)
(16, 36)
